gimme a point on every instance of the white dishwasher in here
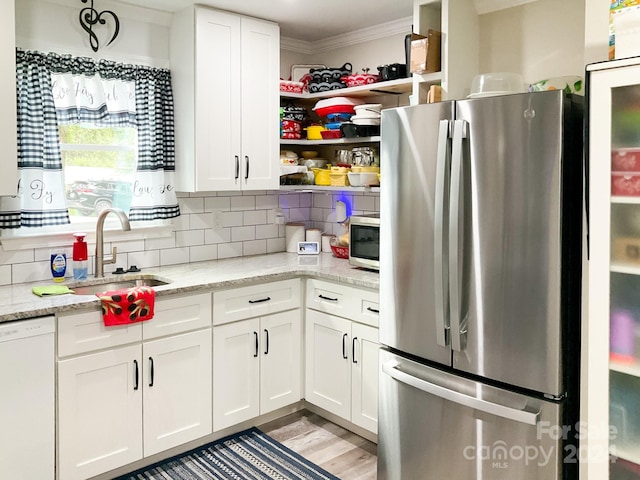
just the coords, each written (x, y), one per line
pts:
(27, 401)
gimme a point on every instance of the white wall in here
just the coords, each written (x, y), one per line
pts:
(53, 25)
(539, 40)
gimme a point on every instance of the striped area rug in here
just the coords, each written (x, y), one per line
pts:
(248, 455)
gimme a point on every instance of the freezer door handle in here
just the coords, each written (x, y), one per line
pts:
(439, 244)
(455, 243)
(522, 416)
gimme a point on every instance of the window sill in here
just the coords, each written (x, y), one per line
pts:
(112, 232)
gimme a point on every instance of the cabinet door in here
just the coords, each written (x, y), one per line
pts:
(217, 101)
(328, 366)
(99, 412)
(177, 390)
(9, 177)
(260, 102)
(236, 373)
(280, 367)
(364, 376)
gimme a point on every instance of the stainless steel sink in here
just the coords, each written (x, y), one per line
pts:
(91, 287)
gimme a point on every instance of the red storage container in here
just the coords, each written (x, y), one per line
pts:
(625, 160)
(625, 184)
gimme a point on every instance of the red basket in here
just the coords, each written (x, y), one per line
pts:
(340, 252)
(330, 134)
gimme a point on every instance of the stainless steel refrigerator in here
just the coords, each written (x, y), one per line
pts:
(480, 288)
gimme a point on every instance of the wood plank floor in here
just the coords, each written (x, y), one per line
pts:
(339, 451)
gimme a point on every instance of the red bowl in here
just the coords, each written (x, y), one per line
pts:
(330, 134)
(324, 111)
(340, 252)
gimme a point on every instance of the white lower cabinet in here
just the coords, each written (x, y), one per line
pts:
(341, 369)
(256, 367)
(256, 350)
(127, 401)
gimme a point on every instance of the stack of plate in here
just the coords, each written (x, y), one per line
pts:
(368, 114)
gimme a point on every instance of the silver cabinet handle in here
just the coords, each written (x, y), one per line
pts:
(455, 243)
(522, 416)
(440, 252)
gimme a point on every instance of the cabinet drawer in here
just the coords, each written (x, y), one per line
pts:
(255, 301)
(178, 314)
(354, 303)
(84, 331)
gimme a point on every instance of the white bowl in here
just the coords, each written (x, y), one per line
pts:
(497, 83)
(363, 179)
(365, 121)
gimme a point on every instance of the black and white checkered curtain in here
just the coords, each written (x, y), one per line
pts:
(40, 194)
(40, 199)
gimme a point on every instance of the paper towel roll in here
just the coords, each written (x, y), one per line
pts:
(314, 235)
(293, 233)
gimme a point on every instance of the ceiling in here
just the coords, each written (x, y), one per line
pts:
(306, 20)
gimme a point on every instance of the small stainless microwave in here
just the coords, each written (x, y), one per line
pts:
(364, 241)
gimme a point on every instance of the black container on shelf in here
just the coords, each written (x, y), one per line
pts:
(351, 130)
(325, 79)
(393, 71)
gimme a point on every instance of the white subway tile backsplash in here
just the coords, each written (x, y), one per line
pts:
(254, 247)
(364, 204)
(191, 205)
(243, 203)
(267, 231)
(217, 203)
(212, 236)
(189, 238)
(242, 234)
(5, 274)
(202, 253)
(160, 243)
(248, 228)
(232, 219)
(144, 259)
(254, 217)
(229, 250)
(201, 221)
(174, 256)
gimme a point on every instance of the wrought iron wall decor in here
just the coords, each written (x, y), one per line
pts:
(89, 17)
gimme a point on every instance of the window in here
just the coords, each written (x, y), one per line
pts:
(99, 166)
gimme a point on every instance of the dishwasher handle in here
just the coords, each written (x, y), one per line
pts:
(522, 416)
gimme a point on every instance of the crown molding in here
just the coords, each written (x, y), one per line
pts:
(363, 35)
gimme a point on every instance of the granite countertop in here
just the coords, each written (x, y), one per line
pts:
(19, 302)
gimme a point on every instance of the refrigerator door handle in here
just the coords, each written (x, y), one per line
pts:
(522, 416)
(439, 244)
(455, 243)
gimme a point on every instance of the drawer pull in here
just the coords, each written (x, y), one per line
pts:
(266, 348)
(374, 310)
(353, 350)
(266, 299)
(344, 348)
(322, 297)
(151, 372)
(256, 335)
(135, 387)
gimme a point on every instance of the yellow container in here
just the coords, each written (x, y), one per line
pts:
(314, 132)
(339, 180)
(322, 176)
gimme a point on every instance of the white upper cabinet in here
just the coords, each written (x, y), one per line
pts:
(225, 70)
(8, 135)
